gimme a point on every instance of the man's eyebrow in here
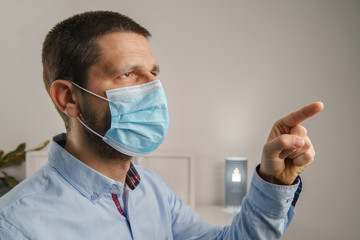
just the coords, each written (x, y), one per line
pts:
(155, 68)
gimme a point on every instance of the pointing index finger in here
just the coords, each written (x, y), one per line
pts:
(296, 118)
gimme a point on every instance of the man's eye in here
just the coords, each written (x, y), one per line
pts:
(128, 74)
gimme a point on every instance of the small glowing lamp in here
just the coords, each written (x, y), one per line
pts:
(236, 176)
(235, 182)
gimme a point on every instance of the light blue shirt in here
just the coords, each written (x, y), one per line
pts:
(66, 199)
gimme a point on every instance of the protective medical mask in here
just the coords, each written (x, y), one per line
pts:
(139, 118)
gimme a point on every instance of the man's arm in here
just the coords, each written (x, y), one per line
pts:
(266, 213)
(268, 208)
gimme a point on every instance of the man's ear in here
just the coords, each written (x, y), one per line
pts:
(62, 94)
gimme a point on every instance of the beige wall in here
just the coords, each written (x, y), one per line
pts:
(230, 69)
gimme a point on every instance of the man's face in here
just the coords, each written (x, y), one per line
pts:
(126, 60)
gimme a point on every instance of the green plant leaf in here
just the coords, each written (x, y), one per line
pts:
(13, 160)
(20, 149)
(11, 181)
(14, 157)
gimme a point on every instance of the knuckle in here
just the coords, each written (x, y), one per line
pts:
(307, 145)
(299, 131)
(305, 159)
(283, 140)
(278, 122)
(304, 130)
(266, 147)
(309, 156)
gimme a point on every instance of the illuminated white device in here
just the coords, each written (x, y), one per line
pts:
(235, 182)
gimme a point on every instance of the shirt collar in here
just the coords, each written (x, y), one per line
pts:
(132, 177)
(89, 182)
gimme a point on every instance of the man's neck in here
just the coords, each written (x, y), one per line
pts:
(113, 168)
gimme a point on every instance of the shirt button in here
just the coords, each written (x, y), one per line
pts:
(94, 196)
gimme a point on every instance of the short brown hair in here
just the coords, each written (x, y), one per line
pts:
(70, 48)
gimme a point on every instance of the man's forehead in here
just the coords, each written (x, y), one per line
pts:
(123, 41)
(122, 52)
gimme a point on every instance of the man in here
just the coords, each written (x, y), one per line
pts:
(102, 77)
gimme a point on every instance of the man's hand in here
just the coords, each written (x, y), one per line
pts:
(288, 150)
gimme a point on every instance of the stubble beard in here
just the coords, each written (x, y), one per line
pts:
(100, 125)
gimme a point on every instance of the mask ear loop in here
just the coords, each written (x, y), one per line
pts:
(91, 92)
(102, 137)
(78, 118)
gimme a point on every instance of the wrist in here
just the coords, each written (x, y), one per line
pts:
(272, 178)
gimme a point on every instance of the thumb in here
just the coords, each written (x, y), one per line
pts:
(283, 146)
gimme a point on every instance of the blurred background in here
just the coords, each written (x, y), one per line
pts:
(230, 69)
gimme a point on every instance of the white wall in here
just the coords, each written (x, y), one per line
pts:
(230, 69)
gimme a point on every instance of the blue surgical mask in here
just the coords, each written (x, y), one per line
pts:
(139, 118)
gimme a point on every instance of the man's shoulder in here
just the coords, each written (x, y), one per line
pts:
(27, 189)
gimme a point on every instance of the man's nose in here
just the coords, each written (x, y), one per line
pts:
(148, 77)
